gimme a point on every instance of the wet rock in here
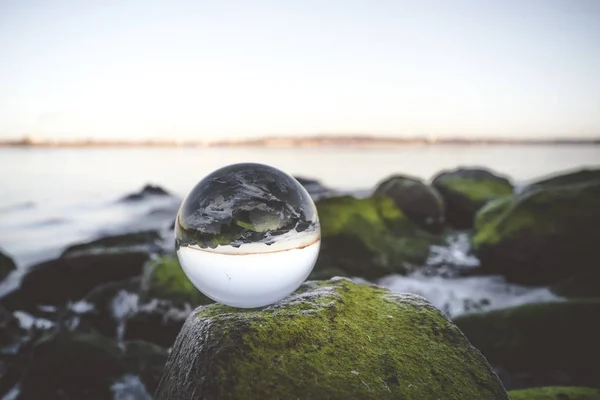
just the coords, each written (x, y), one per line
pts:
(556, 393)
(146, 192)
(582, 285)
(157, 322)
(540, 236)
(331, 339)
(542, 344)
(7, 265)
(467, 190)
(146, 360)
(135, 241)
(369, 238)
(421, 203)
(71, 278)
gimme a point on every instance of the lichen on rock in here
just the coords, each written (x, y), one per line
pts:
(330, 339)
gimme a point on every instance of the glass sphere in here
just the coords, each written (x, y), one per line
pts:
(247, 235)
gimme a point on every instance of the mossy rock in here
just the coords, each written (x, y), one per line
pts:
(421, 203)
(571, 178)
(540, 236)
(540, 344)
(329, 340)
(140, 241)
(465, 191)
(164, 279)
(7, 265)
(369, 237)
(556, 393)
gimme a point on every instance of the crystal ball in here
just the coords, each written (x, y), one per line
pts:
(247, 235)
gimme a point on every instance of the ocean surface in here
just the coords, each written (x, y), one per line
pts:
(54, 197)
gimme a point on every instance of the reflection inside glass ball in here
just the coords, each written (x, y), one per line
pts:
(247, 235)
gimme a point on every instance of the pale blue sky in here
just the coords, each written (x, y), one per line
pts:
(210, 69)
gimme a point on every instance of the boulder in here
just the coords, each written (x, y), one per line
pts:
(421, 203)
(570, 178)
(329, 340)
(542, 344)
(369, 238)
(315, 188)
(164, 279)
(540, 236)
(7, 265)
(467, 190)
(556, 393)
(147, 241)
(147, 191)
(582, 285)
(76, 365)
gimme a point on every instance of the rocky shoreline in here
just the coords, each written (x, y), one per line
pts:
(99, 320)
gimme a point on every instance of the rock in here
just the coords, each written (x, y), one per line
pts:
(571, 178)
(70, 278)
(147, 241)
(164, 279)
(369, 237)
(7, 265)
(541, 344)
(330, 340)
(421, 203)
(76, 365)
(582, 285)
(556, 393)
(540, 236)
(157, 322)
(146, 192)
(315, 188)
(467, 190)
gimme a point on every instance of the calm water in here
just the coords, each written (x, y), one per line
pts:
(53, 197)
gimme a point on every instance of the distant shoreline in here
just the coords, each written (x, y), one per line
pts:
(292, 142)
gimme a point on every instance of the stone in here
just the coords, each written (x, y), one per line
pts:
(330, 339)
(7, 265)
(556, 393)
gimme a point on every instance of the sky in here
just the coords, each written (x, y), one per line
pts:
(236, 68)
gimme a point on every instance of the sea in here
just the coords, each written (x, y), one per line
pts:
(54, 197)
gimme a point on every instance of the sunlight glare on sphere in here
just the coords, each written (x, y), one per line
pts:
(247, 235)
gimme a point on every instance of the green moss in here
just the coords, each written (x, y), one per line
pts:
(479, 191)
(333, 339)
(540, 340)
(369, 237)
(164, 279)
(556, 393)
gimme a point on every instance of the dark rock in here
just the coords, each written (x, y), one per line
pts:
(467, 190)
(315, 188)
(146, 192)
(556, 393)
(330, 340)
(582, 285)
(369, 238)
(7, 265)
(140, 241)
(542, 344)
(571, 178)
(157, 322)
(421, 203)
(70, 278)
(540, 236)
(146, 360)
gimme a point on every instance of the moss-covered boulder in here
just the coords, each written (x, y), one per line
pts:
(540, 236)
(369, 237)
(7, 265)
(164, 278)
(556, 393)
(570, 178)
(540, 344)
(467, 190)
(421, 203)
(330, 340)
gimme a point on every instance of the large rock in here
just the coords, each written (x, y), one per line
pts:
(330, 340)
(315, 188)
(147, 191)
(421, 203)
(7, 265)
(571, 178)
(147, 241)
(75, 365)
(556, 393)
(540, 236)
(164, 279)
(467, 190)
(540, 344)
(582, 285)
(369, 238)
